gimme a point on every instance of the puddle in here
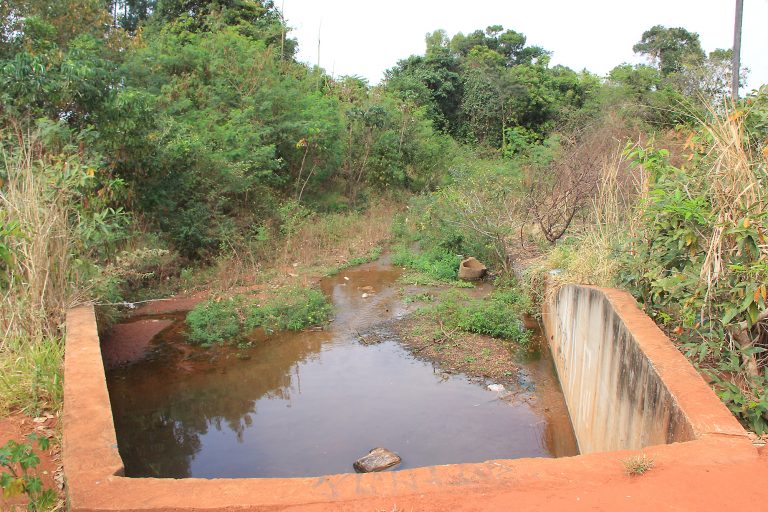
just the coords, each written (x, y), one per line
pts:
(311, 403)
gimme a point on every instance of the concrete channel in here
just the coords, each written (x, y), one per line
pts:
(627, 389)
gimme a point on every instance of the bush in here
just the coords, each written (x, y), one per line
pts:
(700, 264)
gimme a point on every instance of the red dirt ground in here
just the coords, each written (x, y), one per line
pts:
(17, 427)
(125, 343)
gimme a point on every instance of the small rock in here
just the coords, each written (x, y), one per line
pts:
(346, 278)
(498, 388)
(377, 459)
(365, 295)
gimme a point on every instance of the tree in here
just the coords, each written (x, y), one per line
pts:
(670, 48)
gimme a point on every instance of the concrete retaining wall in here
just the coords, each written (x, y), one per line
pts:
(698, 471)
(625, 384)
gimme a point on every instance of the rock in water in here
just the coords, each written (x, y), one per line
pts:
(377, 459)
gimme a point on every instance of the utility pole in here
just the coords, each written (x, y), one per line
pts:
(282, 38)
(736, 63)
(319, 30)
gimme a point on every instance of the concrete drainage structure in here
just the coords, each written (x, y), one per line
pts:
(626, 386)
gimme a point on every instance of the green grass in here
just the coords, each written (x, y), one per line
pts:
(31, 376)
(229, 319)
(291, 309)
(497, 315)
(436, 264)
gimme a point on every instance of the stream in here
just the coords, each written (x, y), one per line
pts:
(310, 403)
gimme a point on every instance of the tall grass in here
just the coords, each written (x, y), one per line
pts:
(736, 181)
(328, 241)
(31, 376)
(338, 237)
(35, 279)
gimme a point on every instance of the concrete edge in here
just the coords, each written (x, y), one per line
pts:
(705, 412)
(93, 466)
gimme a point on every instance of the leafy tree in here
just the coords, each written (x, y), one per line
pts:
(671, 49)
(434, 80)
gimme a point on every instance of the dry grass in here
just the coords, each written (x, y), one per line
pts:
(35, 280)
(611, 219)
(336, 238)
(638, 464)
(736, 182)
(320, 243)
(36, 290)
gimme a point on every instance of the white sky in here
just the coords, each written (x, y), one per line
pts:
(360, 37)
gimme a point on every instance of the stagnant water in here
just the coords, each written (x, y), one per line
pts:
(311, 403)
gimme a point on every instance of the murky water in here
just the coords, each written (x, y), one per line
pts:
(311, 403)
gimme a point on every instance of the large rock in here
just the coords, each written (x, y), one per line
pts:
(471, 270)
(377, 459)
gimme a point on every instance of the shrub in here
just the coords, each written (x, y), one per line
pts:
(17, 475)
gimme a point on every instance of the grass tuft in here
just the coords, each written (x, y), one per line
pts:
(637, 464)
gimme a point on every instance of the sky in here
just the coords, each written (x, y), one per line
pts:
(364, 38)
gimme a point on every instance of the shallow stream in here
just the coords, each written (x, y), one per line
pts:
(310, 403)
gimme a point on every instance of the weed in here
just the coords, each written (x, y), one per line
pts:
(220, 320)
(17, 462)
(372, 255)
(215, 321)
(436, 264)
(495, 316)
(419, 297)
(637, 464)
(291, 309)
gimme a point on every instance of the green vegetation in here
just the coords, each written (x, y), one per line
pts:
(31, 376)
(18, 477)
(435, 264)
(228, 319)
(497, 315)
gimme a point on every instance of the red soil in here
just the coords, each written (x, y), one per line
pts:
(125, 343)
(17, 427)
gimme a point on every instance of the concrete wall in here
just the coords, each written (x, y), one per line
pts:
(701, 474)
(624, 382)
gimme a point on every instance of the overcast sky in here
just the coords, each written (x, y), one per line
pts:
(360, 37)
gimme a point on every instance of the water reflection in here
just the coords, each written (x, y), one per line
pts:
(310, 403)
